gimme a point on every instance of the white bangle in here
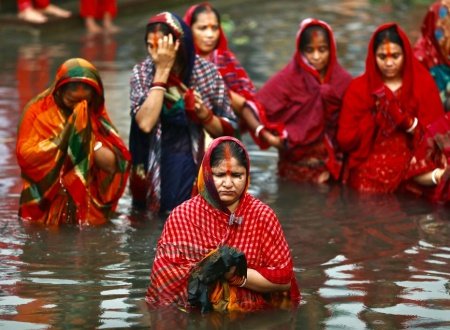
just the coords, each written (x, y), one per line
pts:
(244, 283)
(413, 126)
(258, 130)
(98, 145)
(160, 88)
(433, 176)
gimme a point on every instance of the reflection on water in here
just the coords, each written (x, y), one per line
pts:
(378, 262)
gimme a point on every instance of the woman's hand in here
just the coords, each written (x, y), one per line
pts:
(164, 54)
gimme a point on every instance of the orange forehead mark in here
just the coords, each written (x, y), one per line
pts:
(210, 26)
(387, 44)
(155, 41)
(227, 158)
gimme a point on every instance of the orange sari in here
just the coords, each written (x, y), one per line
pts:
(55, 151)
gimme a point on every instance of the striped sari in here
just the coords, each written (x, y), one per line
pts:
(55, 151)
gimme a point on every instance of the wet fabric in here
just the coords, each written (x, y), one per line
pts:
(309, 107)
(433, 47)
(61, 182)
(197, 227)
(237, 79)
(381, 155)
(38, 4)
(436, 147)
(146, 149)
(208, 272)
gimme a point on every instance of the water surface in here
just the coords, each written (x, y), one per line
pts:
(375, 262)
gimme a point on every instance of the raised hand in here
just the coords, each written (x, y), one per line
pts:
(163, 52)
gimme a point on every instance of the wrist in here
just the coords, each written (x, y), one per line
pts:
(412, 126)
(207, 119)
(436, 175)
(258, 130)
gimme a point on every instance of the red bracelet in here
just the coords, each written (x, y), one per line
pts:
(159, 84)
(208, 118)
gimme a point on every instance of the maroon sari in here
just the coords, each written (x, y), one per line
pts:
(309, 107)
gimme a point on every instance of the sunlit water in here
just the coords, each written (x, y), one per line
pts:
(375, 262)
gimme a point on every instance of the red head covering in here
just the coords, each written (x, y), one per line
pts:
(222, 43)
(205, 184)
(419, 98)
(297, 97)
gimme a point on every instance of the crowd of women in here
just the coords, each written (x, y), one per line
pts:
(384, 131)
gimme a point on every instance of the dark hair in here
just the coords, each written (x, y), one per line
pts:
(390, 34)
(237, 152)
(203, 8)
(308, 33)
(181, 57)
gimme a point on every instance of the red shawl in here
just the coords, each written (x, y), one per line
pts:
(419, 97)
(197, 227)
(427, 48)
(235, 77)
(297, 97)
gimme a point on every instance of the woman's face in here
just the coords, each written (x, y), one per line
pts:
(390, 59)
(317, 52)
(230, 179)
(75, 93)
(206, 32)
(152, 41)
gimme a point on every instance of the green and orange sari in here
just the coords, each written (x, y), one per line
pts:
(55, 151)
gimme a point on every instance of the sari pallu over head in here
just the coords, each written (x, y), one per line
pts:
(308, 105)
(198, 228)
(55, 152)
(236, 78)
(145, 181)
(418, 98)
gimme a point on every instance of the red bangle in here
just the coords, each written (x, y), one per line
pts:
(159, 84)
(208, 118)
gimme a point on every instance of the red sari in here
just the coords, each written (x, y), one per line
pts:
(309, 108)
(237, 80)
(202, 224)
(381, 156)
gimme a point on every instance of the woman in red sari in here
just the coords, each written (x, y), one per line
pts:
(306, 96)
(74, 164)
(212, 45)
(224, 216)
(384, 116)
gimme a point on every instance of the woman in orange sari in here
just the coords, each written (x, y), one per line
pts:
(74, 164)
(223, 249)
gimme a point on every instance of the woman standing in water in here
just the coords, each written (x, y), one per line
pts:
(384, 116)
(212, 45)
(306, 96)
(74, 164)
(175, 96)
(223, 221)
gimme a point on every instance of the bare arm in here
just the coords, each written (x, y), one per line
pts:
(164, 58)
(258, 283)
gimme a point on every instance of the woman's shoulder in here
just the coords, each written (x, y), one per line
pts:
(256, 206)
